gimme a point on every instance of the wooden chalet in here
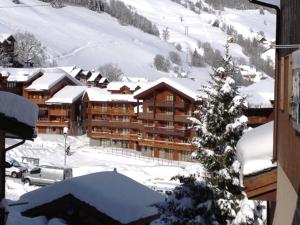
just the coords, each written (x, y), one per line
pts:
(111, 116)
(66, 105)
(7, 47)
(15, 80)
(44, 88)
(97, 80)
(167, 103)
(94, 199)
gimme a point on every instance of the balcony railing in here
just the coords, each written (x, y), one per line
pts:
(168, 131)
(121, 136)
(52, 123)
(111, 111)
(168, 145)
(58, 112)
(117, 124)
(167, 104)
(38, 101)
(146, 116)
(97, 134)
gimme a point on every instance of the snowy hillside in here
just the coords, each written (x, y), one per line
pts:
(76, 35)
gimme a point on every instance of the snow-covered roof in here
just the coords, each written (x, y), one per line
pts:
(103, 95)
(102, 80)
(260, 94)
(117, 85)
(94, 76)
(111, 193)
(186, 86)
(67, 95)
(19, 74)
(50, 78)
(18, 107)
(255, 149)
(4, 37)
(72, 70)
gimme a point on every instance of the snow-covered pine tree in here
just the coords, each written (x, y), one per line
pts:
(219, 123)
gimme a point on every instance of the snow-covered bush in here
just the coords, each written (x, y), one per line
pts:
(175, 58)
(111, 71)
(161, 63)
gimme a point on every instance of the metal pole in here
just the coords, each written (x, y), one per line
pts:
(2, 175)
(65, 160)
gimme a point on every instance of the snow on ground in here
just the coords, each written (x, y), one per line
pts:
(155, 173)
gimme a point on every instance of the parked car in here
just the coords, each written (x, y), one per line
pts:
(16, 169)
(44, 175)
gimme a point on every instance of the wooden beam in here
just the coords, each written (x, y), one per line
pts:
(2, 175)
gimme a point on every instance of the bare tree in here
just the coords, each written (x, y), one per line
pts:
(111, 71)
(166, 34)
(29, 50)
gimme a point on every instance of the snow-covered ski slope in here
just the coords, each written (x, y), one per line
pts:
(76, 35)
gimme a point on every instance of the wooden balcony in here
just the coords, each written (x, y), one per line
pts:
(182, 118)
(98, 111)
(168, 145)
(97, 134)
(146, 116)
(120, 136)
(53, 123)
(168, 131)
(117, 124)
(121, 111)
(167, 104)
(163, 117)
(38, 101)
(111, 111)
(58, 112)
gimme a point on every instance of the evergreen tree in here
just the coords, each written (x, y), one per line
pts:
(219, 125)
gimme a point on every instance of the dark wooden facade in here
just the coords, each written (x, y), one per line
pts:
(7, 48)
(15, 86)
(166, 129)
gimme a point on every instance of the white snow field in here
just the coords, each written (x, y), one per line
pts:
(78, 36)
(154, 173)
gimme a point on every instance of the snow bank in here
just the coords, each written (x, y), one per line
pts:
(260, 94)
(20, 108)
(255, 149)
(67, 95)
(112, 193)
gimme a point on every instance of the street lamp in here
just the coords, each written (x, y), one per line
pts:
(65, 131)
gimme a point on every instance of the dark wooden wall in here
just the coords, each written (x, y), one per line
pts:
(290, 20)
(287, 139)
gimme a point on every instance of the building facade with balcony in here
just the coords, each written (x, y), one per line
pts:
(43, 89)
(167, 103)
(111, 118)
(65, 109)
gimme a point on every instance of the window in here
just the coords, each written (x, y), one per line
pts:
(295, 104)
(169, 98)
(170, 125)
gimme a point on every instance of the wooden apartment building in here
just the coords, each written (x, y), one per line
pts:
(167, 103)
(111, 116)
(43, 89)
